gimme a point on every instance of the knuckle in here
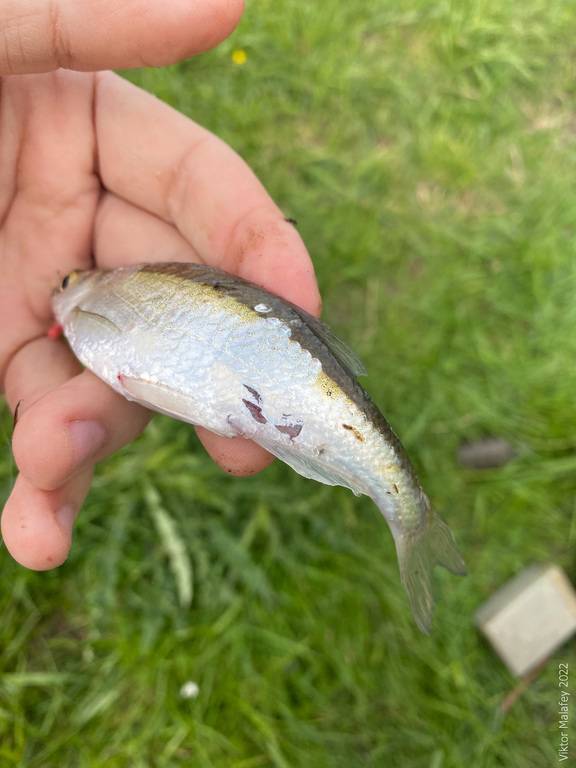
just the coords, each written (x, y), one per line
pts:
(59, 39)
(36, 41)
(11, 49)
(230, 11)
(181, 182)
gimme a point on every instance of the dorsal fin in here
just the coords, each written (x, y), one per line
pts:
(341, 351)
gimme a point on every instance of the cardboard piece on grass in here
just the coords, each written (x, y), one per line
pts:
(529, 617)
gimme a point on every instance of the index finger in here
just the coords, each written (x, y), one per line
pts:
(40, 36)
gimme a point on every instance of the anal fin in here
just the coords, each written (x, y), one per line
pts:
(307, 466)
(164, 399)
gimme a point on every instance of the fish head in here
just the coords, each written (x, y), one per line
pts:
(75, 287)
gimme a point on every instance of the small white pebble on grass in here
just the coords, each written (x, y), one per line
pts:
(263, 308)
(189, 690)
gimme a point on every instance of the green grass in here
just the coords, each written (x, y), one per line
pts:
(427, 151)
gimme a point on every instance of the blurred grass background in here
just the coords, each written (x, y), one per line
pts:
(427, 151)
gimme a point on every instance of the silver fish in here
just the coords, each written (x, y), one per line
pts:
(211, 349)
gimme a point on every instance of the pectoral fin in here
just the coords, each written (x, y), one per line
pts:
(94, 317)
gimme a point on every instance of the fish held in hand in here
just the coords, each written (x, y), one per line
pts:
(213, 350)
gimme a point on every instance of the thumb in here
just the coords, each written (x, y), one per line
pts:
(43, 35)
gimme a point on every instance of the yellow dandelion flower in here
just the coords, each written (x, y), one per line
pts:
(239, 57)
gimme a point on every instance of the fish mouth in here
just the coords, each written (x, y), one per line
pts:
(73, 288)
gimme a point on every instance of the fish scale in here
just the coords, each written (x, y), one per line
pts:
(213, 350)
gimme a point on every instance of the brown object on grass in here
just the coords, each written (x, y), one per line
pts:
(487, 453)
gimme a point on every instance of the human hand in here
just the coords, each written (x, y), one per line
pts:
(92, 169)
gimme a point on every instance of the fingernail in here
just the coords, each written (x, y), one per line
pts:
(65, 517)
(87, 438)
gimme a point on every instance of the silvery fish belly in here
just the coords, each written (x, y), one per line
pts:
(213, 350)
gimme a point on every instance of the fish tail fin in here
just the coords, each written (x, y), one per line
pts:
(418, 553)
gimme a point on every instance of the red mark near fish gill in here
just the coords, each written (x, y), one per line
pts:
(55, 331)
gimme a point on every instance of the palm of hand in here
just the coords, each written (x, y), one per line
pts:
(94, 170)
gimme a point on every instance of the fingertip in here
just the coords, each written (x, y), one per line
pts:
(268, 250)
(235, 455)
(33, 534)
(228, 13)
(190, 29)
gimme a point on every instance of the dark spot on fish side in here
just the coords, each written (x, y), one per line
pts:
(358, 435)
(291, 221)
(256, 395)
(309, 333)
(292, 430)
(320, 450)
(395, 488)
(255, 411)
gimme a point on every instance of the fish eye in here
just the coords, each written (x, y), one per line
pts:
(70, 279)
